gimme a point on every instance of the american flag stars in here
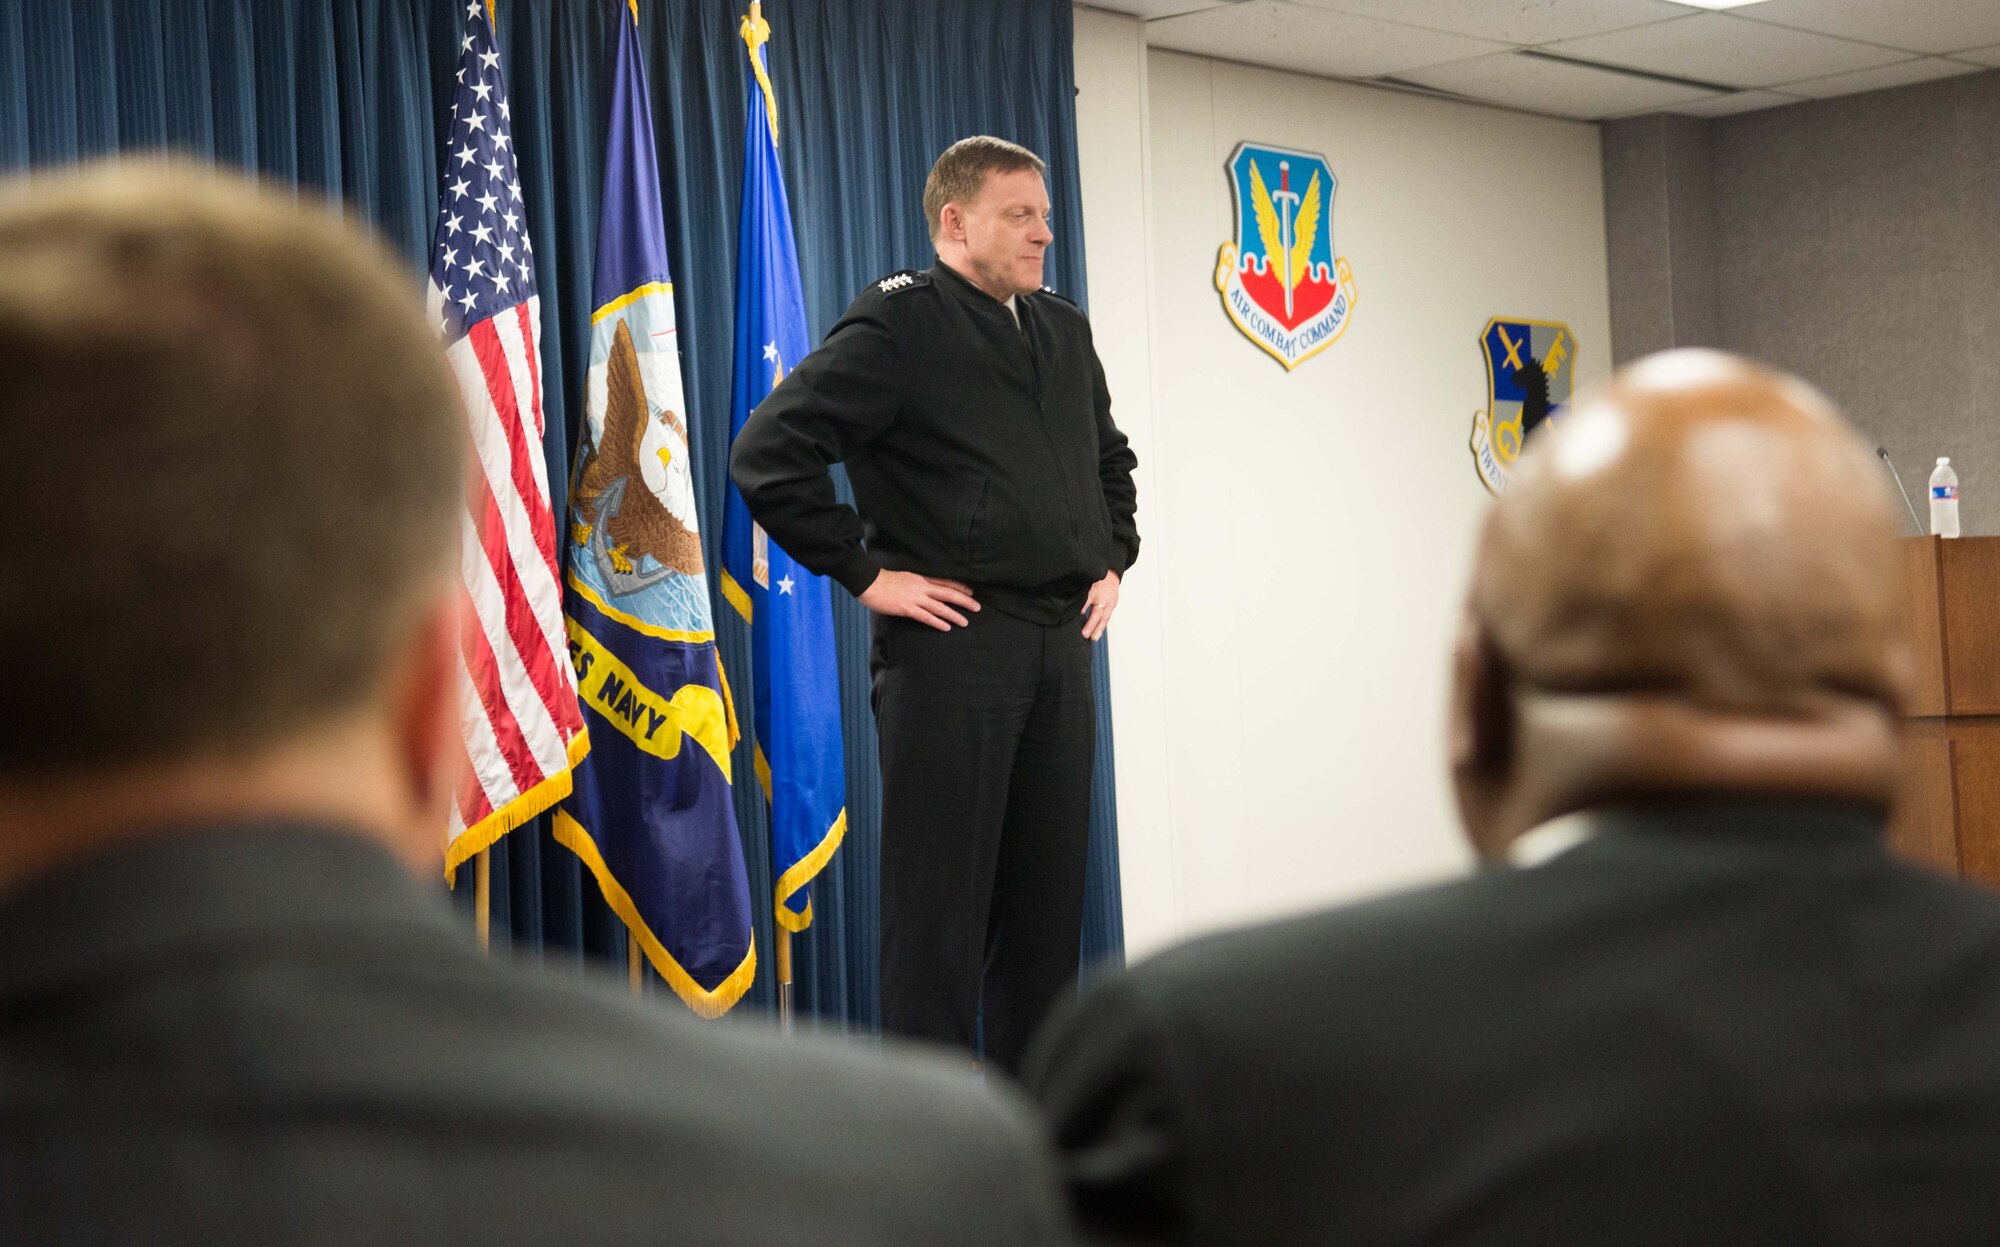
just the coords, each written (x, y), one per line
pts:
(483, 262)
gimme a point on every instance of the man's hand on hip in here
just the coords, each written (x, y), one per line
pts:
(923, 599)
(1098, 606)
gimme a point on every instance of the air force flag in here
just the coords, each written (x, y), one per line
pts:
(790, 610)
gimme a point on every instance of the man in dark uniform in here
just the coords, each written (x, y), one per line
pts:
(995, 504)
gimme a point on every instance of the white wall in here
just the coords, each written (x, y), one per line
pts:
(1279, 657)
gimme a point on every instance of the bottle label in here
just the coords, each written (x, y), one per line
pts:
(1942, 492)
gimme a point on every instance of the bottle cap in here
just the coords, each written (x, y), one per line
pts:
(1943, 459)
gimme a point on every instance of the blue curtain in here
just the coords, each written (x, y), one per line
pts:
(348, 96)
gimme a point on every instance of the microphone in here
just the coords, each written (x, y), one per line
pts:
(1896, 476)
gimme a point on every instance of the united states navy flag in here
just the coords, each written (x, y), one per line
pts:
(650, 813)
(789, 609)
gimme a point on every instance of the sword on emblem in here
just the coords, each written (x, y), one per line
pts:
(1288, 202)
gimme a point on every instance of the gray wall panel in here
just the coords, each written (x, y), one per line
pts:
(1854, 241)
(1659, 233)
(1977, 157)
(1635, 236)
(1691, 229)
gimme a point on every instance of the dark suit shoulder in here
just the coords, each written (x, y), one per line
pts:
(1394, 928)
(887, 1146)
(898, 285)
(888, 302)
(335, 1057)
(1149, 1075)
(536, 1083)
(1646, 1021)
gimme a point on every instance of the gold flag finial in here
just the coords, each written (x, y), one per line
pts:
(756, 33)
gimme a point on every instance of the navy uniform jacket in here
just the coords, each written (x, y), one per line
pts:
(1727, 1023)
(979, 450)
(275, 1036)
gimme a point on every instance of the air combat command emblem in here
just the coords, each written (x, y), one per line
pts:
(1280, 280)
(1530, 367)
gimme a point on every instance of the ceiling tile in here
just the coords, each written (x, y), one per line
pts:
(1311, 40)
(1918, 25)
(1717, 47)
(1545, 86)
(1924, 70)
(1733, 103)
(1513, 21)
(1981, 56)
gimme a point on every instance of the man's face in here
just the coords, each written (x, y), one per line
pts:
(1006, 229)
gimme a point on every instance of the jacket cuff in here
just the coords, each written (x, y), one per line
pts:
(856, 572)
(1122, 558)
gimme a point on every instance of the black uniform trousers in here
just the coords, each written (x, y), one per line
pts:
(987, 739)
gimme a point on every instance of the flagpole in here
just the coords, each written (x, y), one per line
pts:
(482, 899)
(482, 890)
(784, 936)
(634, 968)
(784, 967)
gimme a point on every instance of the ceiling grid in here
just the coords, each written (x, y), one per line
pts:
(1593, 59)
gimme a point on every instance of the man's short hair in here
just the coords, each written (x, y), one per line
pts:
(233, 467)
(959, 174)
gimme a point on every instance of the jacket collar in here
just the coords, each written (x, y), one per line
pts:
(1550, 840)
(960, 286)
(154, 899)
(1789, 828)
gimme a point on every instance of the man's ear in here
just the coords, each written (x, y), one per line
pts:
(428, 755)
(951, 222)
(1481, 736)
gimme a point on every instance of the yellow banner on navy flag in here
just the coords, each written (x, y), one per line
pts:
(650, 720)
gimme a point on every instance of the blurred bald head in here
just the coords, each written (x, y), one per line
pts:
(1689, 589)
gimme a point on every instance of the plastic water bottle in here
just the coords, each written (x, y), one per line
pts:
(1944, 500)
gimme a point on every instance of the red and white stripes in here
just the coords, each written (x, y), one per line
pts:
(521, 725)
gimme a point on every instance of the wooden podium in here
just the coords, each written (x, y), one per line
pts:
(1949, 815)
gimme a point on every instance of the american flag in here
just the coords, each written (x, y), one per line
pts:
(519, 718)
